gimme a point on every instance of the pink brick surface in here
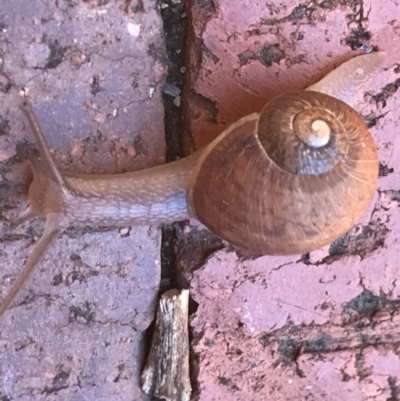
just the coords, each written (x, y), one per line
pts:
(325, 326)
(94, 72)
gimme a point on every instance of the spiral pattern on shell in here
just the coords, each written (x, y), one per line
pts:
(303, 134)
(289, 180)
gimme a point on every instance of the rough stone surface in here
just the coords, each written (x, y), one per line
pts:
(309, 327)
(94, 71)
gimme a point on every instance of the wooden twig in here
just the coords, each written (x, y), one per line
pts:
(166, 374)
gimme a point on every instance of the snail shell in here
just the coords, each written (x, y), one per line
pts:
(288, 180)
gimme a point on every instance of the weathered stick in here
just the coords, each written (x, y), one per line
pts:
(166, 374)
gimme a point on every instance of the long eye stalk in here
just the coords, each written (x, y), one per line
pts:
(51, 232)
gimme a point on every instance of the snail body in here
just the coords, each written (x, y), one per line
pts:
(287, 180)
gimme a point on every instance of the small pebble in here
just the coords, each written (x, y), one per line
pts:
(177, 101)
(134, 29)
(171, 89)
(124, 232)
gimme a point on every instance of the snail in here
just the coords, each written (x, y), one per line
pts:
(288, 180)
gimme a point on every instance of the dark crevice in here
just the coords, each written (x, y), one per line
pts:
(175, 27)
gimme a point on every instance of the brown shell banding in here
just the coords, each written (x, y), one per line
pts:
(285, 128)
(248, 121)
(253, 203)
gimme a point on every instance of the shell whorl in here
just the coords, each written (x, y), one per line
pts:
(304, 133)
(289, 180)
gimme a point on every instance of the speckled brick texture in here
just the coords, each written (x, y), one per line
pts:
(94, 71)
(321, 326)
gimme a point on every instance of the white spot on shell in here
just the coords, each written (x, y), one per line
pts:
(359, 71)
(134, 29)
(320, 134)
